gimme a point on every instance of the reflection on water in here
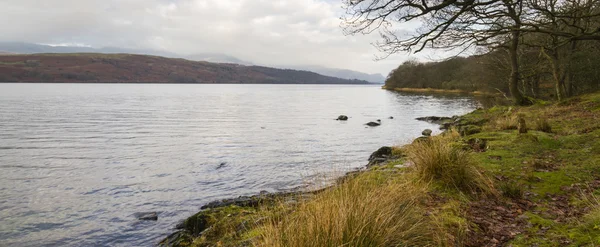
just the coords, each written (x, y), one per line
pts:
(78, 161)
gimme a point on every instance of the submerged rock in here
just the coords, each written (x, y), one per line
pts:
(223, 164)
(147, 216)
(342, 118)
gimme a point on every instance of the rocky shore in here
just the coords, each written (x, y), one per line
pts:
(504, 176)
(198, 224)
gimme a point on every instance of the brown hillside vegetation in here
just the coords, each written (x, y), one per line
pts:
(127, 68)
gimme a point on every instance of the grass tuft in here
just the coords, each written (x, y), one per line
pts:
(512, 190)
(509, 122)
(363, 211)
(438, 160)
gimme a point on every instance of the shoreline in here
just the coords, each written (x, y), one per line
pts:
(441, 91)
(503, 176)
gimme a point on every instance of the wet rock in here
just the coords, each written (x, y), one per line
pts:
(342, 118)
(373, 124)
(435, 120)
(381, 155)
(242, 201)
(147, 216)
(197, 223)
(427, 132)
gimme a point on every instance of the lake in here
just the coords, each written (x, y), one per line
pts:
(77, 161)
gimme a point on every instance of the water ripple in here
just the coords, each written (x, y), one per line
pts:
(79, 160)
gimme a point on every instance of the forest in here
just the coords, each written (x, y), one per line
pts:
(523, 48)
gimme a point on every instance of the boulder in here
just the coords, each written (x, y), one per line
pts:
(422, 139)
(427, 132)
(342, 118)
(379, 156)
(197, 223)
(147, 216)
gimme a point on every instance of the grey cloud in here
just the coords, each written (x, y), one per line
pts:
(270, 32)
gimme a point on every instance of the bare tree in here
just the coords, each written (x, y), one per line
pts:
(461, 24)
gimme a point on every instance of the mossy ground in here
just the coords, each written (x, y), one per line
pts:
(547, 182)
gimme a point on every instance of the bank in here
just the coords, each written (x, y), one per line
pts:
(518, 176)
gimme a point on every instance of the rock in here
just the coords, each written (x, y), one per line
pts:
(342, 118)
(147, 216)
(373, 124)
(391, 117)
(379, 156)
(427, 132)
(434, 119)
(446, 126)
(242, 201)
(422, 139)
(197, 223)
(179, 238)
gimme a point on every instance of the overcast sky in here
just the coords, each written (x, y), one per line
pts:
(267, 32)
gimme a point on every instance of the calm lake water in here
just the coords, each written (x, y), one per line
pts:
(78, 160)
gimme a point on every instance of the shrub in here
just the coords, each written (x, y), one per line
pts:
(437, 160)
(363, 211)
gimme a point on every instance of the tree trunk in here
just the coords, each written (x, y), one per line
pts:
(513, 82)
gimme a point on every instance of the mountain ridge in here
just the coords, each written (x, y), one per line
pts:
(30, 48)
(134, 68)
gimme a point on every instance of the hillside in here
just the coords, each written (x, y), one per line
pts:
(127, 68)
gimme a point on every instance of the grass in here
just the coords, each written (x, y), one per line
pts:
(437, 160)
(368, 210)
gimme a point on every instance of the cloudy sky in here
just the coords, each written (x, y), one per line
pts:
(267, 32)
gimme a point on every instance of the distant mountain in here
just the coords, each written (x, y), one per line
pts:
(96, 67)
(29, 48)
(217, 58)
(343, 73)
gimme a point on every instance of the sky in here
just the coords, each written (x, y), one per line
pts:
(265, 32)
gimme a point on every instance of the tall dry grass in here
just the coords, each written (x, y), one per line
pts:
(508, 122)
(368, 210)
(438, 160)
